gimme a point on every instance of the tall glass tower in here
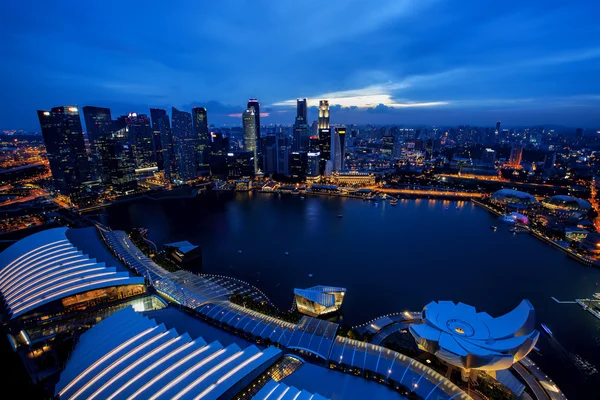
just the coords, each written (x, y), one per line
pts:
(250, 134)
(184, 141)
(200, 122)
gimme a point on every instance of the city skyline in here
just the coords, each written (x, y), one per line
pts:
(404, 62)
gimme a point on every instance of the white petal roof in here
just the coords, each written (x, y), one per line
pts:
(46, 266)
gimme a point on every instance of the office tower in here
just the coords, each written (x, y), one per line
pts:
(253, 103)
(156, 114)
(336, 150)
(341, 131)
(323, 114)
(270, 154)
(167, 145)
(314, 144)
(65, 147)
(497, 132)
(250, 134)
(117, 159)
(240, 164)
(325, 147)
(184, 141)
(515, 155)
(429, 149)
(298, 164)
(549, 162)
(313, 159)
(283, 155)
(140, 136)
(301, 128)
(314, 128)
(387, 145)
(488, 156)
(219, 147)
(96, 119)
(202, 139)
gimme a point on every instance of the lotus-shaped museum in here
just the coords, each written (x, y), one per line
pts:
(459, 335)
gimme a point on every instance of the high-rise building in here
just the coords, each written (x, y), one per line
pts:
(549, 162)
(240, 164)
(283, 155)
(202, 139)
(96, 119)
(387, 145)
(140, 136)
(488, 156)
(515, 155)
(323, 114)
(301, 128)
(253, 103)
(184, 140)
(157, 114)
(298, 164)
(325, 147)
(497, 132)
(65, 147)
(117, 159)
(219, 148)
(313, 159)
(270, 154)
(336, 150)
(250, 133)
(341, 132)
(168, 145)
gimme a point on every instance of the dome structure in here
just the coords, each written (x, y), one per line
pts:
(463, 337)
(567, 203)
(513, 198)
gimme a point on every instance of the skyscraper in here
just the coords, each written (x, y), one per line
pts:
(65, 147)
(184, 141)
(219, 147)
(301, 128)
(341, 133)
(283, 155)
(253, 103)
(202, 139)
(270, 154)
(323, 114)
(497, 132)
(156, 114)
(96, 119)
(515, 155)
(298, 164)
(140, 136)
(167, 144)
(117, 159)
(250, 134)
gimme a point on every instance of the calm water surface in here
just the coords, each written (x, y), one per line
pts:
(390, 259)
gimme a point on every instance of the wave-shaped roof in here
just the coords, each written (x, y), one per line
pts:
(46, 266)
(129, 356)
(459, 335)
(567, 203)
(512, 196)
(280, 391)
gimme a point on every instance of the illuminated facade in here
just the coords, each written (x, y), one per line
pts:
(324, 114)
(513, 198)
(184, 142)
(131, 356)
(354, 178)
(319, 300)
(250, 134)
(458, 335)
(200, 122)
(567, 203)
(515, 156)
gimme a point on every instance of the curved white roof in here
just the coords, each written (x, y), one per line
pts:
(128, 356)
(459, 335)
(46, 266)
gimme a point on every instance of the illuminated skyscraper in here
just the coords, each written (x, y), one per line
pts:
(325, 141)
(515, 155)
(298, 164)
(301, 111)
(140, 136)
(96, 119)
(184, 140)
(65, 147)
(301, 128)
(341, 137)
(283, 155)
(250, 134)
(270, 154)
(156, 114)
(219, 148)
(497, 132)
(253, 103)
(202, 139)
(117, 159)
(324, 114)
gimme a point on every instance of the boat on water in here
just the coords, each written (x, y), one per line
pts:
(394, 201)
(340, 216)
(494, 227)
(546, 329)
(301, 197)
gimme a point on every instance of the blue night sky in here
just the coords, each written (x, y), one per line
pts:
(390, 61)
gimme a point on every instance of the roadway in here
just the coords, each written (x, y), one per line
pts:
(434, 193)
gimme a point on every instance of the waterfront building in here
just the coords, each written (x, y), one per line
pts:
(251, 134)
(301, 128)
(270, 154)
(219, 148)
(460, 336)
(156, 114)
(65, 148)
(185, 145)
(516, 153)
(162, 126)
(60, 279)
(513, 198)
(591, 244)
(140, 137)
(325, 148)
(319, 300)
(117, 160)
(202, 147)
(283, 155)
(240, 164)
(357, 178)
(566, 203)
(298, 164)
(313, 159)
(129, 355)
(96, 119)
(184, 254)
(254, 104)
